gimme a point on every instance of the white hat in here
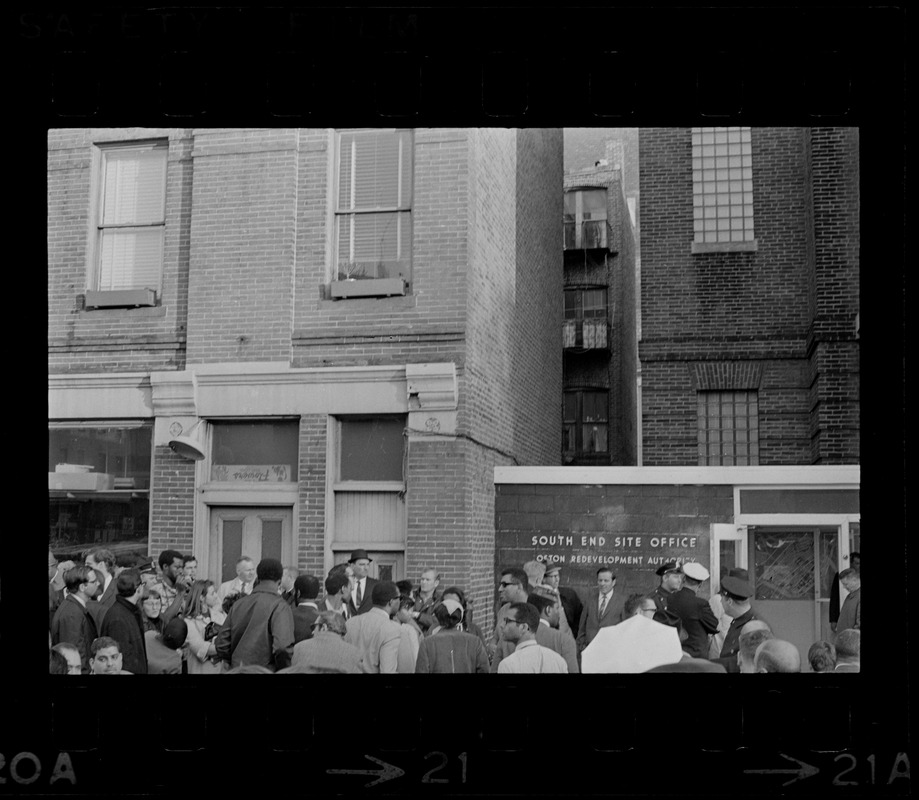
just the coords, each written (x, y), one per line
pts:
(696, 571)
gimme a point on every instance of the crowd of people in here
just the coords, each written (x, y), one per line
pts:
(111, 618)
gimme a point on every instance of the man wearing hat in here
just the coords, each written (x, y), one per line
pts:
(699, 621)
(361, 601)
(671, 580)
(571, 602)
(736, 592)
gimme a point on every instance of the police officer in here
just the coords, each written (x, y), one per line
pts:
(699, 620)
(671, 580)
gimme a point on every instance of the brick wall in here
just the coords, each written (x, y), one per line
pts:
(243, 232)
(766, 305)
(112, 339)
(311, 488)
(172, 502)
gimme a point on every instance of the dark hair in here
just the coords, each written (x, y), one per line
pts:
(518, 575)
(751, 640)
(168, 556)
(849, 643)
(57, 664)
(189, 558)
(632, 604)
(539, 602)
(269, 569)
(383, 592)
(77, 575)
(445, 618)
(847, 573)
(822, 656)
(340, 569)
(229, 600)
(101, 642)
(606, 569)
(194, 604)
(527, 613)
(174, 633)
(404, 587)
(127, 582)
(335, 583)
(306, 587)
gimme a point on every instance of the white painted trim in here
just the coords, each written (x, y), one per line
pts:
(105, 395)
(331, 473)
(772, 520)
(796, 477)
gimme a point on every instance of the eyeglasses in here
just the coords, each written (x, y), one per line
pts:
(509, 620)
(504, 584)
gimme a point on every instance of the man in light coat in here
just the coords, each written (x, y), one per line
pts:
(375, 634)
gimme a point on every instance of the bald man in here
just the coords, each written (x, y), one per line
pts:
(776, 655)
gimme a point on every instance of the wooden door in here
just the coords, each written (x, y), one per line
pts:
(256, 532)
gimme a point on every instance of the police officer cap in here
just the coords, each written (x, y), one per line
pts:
(670, 566)
(696, 571)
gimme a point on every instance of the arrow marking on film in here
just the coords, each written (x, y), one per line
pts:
(803, 771)
(387, 773)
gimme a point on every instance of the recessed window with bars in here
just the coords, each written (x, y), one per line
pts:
(585, 424)
(131, 217)
(728, 428)
(722, 185)
(373, 217)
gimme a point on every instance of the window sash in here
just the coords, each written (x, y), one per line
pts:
(585, 423)
(722, 170)
(132, 217)
(728, 428)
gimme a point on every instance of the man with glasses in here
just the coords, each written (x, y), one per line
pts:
(639, 605)
(73, 623)
(520, 625)
(514, 587)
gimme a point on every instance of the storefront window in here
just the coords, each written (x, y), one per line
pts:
(98, 487)
(255, 452)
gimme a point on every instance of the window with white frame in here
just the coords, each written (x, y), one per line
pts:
(373, 206)
(722, 185)
(131, 217)
(728, 432)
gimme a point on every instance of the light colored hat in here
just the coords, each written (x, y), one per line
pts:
(696, 571)
(451, 605)
(552, 568)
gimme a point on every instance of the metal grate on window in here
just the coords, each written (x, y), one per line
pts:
(722, 184)
(728, 425)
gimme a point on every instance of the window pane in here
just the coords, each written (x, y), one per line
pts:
(571, 406)
(271, 539)
(130, 258)
(232, 549)
(374, 245)
(134, 186)
(121, 453)
(371, 449)
(378, 166)
(119, 523)
(255, 451)
(594, 203)
(595, 437)
(784, 565)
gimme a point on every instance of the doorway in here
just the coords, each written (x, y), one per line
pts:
(792, 571)
(256, 532)
(386, 565)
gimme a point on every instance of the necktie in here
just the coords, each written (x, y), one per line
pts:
(603, 600)
(359, 595)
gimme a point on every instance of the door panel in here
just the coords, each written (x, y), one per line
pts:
(258, 533)
(387, 565)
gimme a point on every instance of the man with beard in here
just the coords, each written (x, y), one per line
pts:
(73, 623)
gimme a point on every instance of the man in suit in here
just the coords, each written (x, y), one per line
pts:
(306, 592)
(243, 582)
(103, 561)
(571, 602)
(601, 610)
(548, 634)
(375, 634)
(72, 622)
(326, 650)
(56, 584)
(361, 593)
(848, 651)
(850, 615)
(699, 620)
(736, 592)
(124, 623)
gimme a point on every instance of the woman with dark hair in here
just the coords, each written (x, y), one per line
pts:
(455, 593)
(448, 649)
(203, 618)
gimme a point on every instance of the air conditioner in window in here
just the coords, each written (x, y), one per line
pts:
(121, 298)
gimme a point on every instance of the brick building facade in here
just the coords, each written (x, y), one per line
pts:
(332, 412)
(772, 319)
